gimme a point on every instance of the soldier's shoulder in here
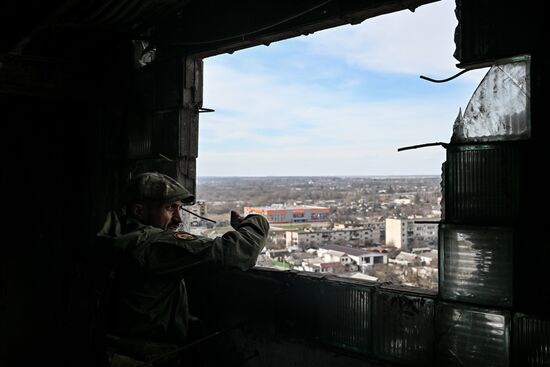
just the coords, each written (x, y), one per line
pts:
(189, 242)
(185, 236)
(176, 237)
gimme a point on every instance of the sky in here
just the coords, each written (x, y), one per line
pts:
(338, 102)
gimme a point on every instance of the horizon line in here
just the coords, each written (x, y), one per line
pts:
(402, 175)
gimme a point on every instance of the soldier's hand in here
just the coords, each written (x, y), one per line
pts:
(236, 219)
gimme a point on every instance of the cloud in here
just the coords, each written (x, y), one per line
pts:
(419, 43)
(295, 128)
(331, 103)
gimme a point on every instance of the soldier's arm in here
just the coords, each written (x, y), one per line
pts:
(173, 253)
(240, 248)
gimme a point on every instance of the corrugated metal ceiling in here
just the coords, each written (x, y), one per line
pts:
(200, 27)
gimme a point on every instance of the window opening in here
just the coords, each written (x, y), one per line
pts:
(306, 133)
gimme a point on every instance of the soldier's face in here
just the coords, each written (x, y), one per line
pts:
(166, 216)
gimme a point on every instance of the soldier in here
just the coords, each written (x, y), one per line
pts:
(150, 257)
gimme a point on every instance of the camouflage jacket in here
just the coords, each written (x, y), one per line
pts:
(149, 300)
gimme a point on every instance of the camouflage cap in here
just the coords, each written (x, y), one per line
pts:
(153, 186)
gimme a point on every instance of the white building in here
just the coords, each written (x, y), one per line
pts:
(360, 257)
(402, 233)
(396, 232)
(334, 256)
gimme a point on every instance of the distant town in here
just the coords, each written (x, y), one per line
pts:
(376, 229)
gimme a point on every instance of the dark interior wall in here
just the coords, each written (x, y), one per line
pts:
(163, 120)
(61, 160)
(74, 124)
(49, 200)
(532, 248)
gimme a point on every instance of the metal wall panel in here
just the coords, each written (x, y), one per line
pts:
(166, 132)
(476, 264)
(140, 142)
(483, 183)
(489, 30)
(169, 83)
(473, 337)
(140, 116)
(163, 128)
(531, 341)
(188, 133)
(344, 317)
(403, 328)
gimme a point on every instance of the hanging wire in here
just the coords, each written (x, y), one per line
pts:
(444, 145)
(165, 157)
(445, 80)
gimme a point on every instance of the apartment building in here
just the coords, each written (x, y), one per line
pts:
(305, 238)
(403, 233)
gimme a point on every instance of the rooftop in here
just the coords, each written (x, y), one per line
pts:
(349, 250)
